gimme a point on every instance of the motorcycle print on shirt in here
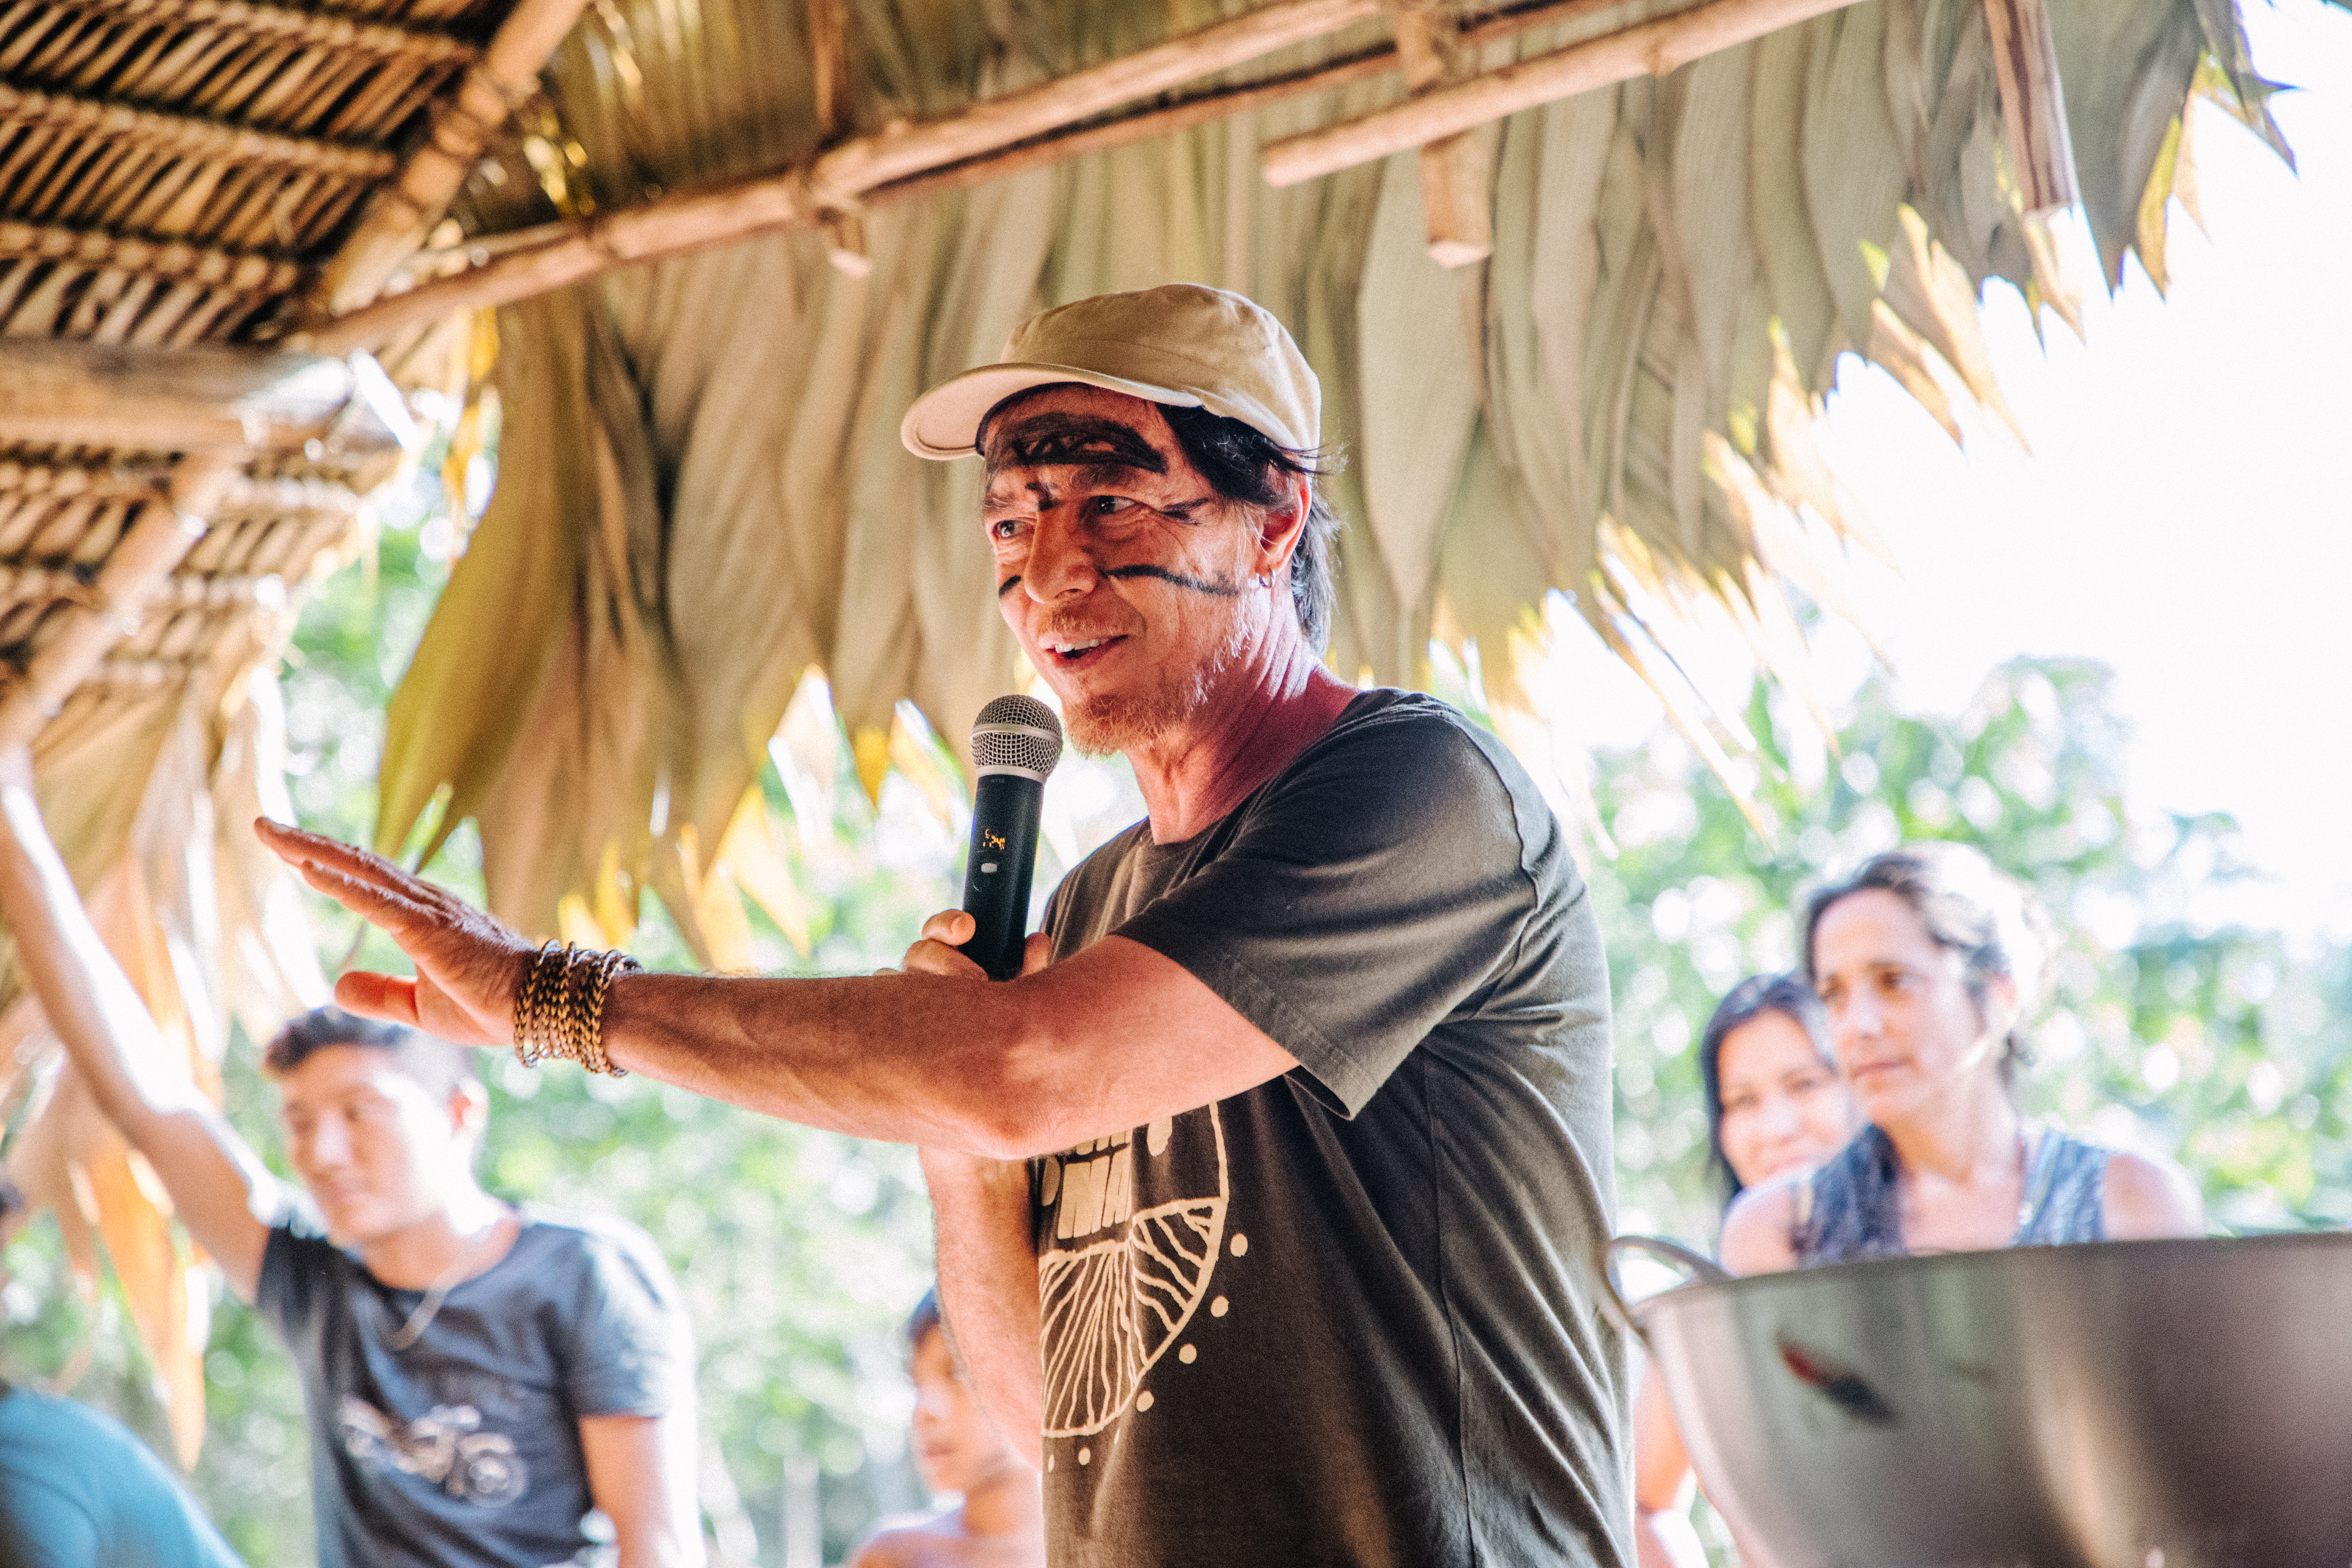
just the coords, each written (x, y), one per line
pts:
(443, 1446)
(1129, 1230)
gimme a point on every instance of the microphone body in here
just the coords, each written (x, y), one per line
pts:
(1015, 743)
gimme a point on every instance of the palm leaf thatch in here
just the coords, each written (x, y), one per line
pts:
(175, 175)
(702, 497)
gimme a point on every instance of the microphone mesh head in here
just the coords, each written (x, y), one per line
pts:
(1016, 735)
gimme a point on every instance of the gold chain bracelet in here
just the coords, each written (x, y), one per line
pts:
(560, 1007)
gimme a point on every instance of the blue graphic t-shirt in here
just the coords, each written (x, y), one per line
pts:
(463, 1450)
(1347, 1318)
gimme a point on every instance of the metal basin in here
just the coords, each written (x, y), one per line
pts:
(2123, 1405)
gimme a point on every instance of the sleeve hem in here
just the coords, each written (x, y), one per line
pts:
(1331, 1075)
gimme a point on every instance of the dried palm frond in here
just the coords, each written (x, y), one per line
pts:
(707, 499)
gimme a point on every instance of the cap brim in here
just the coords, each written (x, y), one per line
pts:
(945, 421)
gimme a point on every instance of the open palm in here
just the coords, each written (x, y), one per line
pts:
(468, 966)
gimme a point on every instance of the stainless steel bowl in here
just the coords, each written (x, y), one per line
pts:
(2122, 1404)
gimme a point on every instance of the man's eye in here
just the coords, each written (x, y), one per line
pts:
(1005, 528)
(1111, 506)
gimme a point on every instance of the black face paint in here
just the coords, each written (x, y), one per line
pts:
(1197, 584)
(1008, 584)
(1089, 441)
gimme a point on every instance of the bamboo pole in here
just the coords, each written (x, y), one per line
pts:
(215, 399)
(399, 215)
(1648, 48)
(522, 263)
(2032, 106)
(135, 568)
(842, 179)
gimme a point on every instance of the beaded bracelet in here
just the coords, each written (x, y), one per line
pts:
(560, 1007)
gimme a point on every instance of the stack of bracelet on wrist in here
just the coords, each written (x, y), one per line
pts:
(559, 1011)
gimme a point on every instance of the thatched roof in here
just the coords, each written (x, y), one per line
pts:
(703, 496)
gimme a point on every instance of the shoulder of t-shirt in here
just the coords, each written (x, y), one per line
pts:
(1100, 862)
(597, 1243)
(51, 1415)
(297, 1255)
(1430, 751)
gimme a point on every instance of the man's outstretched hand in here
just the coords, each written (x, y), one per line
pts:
(468, 966)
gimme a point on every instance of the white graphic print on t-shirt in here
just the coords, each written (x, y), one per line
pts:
(442, 1446)
(1136, 1228)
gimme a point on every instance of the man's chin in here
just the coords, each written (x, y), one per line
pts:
(1107, 723)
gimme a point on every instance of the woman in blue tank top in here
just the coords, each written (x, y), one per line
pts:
(1926, 962)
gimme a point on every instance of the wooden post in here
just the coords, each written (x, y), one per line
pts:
(2033, 107)
(227, 400)
(399, 217)
(1457, 172)
(1647, 49)
(135, 568)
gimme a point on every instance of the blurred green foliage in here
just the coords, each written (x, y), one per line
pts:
(799, 1252)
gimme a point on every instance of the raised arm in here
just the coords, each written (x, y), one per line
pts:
(216, 1183)
(1115, 1038)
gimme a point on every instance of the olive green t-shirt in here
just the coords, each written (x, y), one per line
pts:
(1348, 1317)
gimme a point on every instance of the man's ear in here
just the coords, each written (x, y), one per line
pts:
(1282, 526)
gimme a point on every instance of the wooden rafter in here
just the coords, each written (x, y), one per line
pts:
(398, 216)
(230, 400)
(506, 268)
(183, 136)
(1648, 48)
(281, 24)
(139, 562)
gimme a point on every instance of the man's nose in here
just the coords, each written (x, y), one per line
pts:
(1059, 566)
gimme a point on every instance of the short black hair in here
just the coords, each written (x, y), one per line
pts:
(430, 1061)
(1243, 463)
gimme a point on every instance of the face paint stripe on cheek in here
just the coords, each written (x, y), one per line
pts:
(1197, 584)
(1008, 584)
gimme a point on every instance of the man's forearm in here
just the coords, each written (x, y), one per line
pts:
(988, 1287)
(903, 1058)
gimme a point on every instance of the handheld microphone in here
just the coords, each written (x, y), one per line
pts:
(1015, 743)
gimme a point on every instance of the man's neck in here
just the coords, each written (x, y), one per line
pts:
(1273, 703)
(469, 1233)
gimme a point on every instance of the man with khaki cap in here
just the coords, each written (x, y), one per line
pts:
(1271, 1195)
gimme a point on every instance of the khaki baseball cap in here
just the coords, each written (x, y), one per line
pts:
(1183, 345)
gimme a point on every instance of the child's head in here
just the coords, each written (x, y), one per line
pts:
(957, 1446)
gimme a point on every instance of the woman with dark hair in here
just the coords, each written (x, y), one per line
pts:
(1927, 962)
(1774, 1104)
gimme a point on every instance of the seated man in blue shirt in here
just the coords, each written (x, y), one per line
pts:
(78, 1490)
(480, 1378)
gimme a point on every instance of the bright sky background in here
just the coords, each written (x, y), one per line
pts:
(2185, 514)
